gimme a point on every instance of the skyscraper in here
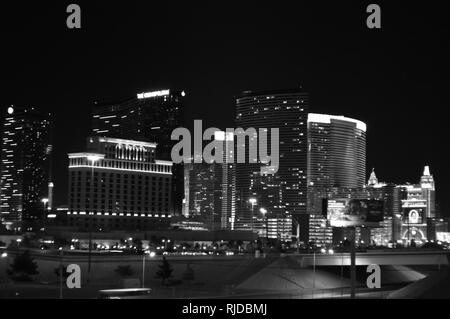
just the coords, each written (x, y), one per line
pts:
(282, 194)
(336, 161)
(150, 117)
(210, 188)
(26, 151)
(337, 151)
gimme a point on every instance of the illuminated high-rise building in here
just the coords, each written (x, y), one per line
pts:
(336, 160)
(25, 169)
(336, 151)
(283, 193)
(119, 184)
(210, 188)
(150, 117)
(419, 210)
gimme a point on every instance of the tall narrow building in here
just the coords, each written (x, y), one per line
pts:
(150, 117)
(210, 188)
(26, 151)
(282, 194)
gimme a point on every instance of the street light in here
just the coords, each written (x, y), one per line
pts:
(151, 254)
(44, 202)
(93, 159)
(253, 202)
(264, 213)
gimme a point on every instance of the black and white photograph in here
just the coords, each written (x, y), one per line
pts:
(229, 152)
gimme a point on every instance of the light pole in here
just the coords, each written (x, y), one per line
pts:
(4, 255)
(314, 273)
(324, 226)
(253, 202)
(92, 159)
(264, 213)
(44, 202)
(61, 270)
(151, 254)
(353, 262)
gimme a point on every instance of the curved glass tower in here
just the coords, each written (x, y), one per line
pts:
(281, 195)
(337, 151)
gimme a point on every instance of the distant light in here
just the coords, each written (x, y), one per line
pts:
(10, 110)
(153, 94)
(94, 158)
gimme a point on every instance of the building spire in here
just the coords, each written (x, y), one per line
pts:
(427, 180)
(373, 180)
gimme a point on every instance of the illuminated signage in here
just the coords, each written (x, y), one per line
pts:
(414, 215)
(443, 236)
(153, 94)
(354, 212)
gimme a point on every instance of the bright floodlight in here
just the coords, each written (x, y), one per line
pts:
(94, 158)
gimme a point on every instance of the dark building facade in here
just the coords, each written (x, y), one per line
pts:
(25, 169)
(210, 188)
(150, 117)
(119, 185)
(282, 194)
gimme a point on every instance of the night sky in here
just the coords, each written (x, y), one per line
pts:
(395, 79)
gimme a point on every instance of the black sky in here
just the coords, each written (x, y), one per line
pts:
(395, 79)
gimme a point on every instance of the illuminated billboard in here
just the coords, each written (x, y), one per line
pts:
(443, 236)
(414, 215)
(354, 212)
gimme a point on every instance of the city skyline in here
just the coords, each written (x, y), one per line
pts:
(326, 50)
(197, 150)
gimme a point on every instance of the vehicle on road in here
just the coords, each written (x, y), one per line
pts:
(130, 293)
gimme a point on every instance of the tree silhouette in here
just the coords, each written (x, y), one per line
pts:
(23, 267)
(189, 274)
(165, 271)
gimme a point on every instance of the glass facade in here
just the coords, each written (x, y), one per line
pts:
(25, 167)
